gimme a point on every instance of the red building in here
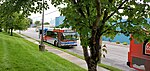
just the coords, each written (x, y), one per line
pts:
(139, 55)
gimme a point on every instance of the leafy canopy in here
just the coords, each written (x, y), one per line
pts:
(26, 7)
(15, 21)
(83, 14)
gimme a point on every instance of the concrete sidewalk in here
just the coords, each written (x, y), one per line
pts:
(65, 55)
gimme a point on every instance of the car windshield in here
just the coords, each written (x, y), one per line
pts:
(70, 36)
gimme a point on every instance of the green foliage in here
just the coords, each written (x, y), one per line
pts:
(25, 6)
(95, 18)
(15, 21)
(38, 23)
(109, 67)
(125, 43)
(30, 20)
(20, 22)
(81, 15)
(46, 23)
(117, 42)
(0, 27)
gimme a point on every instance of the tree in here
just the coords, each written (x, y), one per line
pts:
(93, 19)
(46, 23)
(37, 23)
(0, 27)
(26, 6)
(15, 22)
(20, 22)
(30, 20)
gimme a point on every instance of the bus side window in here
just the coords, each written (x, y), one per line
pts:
(48, 33)
(136, 42)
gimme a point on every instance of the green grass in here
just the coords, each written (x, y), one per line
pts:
(18, 54)
(109, 67)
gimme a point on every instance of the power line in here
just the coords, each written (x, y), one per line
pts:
(47, 13)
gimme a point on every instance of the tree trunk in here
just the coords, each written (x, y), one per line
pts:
(100, 52)
(0, 28)
(94, 57)
(5, 29)
(11, 31)
(91, 63)
(8, 31)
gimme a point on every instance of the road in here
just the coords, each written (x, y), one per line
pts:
(117, 54)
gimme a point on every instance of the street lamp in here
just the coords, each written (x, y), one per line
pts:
(42, 46)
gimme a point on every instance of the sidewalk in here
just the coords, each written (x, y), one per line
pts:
(65, 55)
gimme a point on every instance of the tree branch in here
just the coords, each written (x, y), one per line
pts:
(98, 7)
(88, 10)
(116, 10)
(79, 9)
(111, 27)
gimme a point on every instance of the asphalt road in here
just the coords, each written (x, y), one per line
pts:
(117, 54)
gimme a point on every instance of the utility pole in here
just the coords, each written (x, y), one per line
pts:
(42, 46)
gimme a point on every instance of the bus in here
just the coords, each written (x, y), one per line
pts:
(139, 55)
(60, 37)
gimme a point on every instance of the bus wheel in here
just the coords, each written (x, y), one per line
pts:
(128, 63)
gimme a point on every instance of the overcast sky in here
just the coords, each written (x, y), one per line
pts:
(50, 14)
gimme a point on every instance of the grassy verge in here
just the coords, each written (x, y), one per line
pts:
(81, 57)
(109, 67)
(18, 54)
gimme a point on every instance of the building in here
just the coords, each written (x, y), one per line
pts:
(59, 20)
(121, 37)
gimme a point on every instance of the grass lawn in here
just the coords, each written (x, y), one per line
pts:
(18, 54)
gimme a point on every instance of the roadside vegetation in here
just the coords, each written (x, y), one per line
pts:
(18, 54)
(125, 43)
(81, 57)
(117, 42)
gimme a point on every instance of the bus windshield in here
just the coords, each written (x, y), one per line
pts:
(70, 36)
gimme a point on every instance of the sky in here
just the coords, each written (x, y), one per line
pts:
(49, 14)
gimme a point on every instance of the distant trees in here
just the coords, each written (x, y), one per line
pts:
(0, 27)
(46, 23)
(37, 23)
(30, 20)
(14, 22)
(22, 7)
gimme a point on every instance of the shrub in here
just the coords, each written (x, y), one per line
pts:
(117, 42)
(125, 43)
